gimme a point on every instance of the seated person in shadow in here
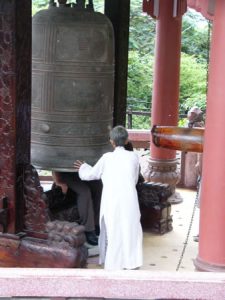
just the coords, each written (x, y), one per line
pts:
(74, 200)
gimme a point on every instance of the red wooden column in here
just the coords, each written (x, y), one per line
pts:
(15, 103)
(165, 98)
(211, 256)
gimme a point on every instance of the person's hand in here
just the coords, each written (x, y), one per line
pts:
(58, 181)
(64, 187)
(77, 164)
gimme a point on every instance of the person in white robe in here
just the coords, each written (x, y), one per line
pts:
(121, 236)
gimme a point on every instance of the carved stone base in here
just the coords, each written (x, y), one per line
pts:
(157, 219)
(155, 210)
(165, 171)
(176, 198)
(63, 248)
(203, 266)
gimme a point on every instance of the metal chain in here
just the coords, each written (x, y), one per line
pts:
(189, 229)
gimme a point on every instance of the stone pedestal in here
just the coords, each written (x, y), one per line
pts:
(154, 207)
(165, 171)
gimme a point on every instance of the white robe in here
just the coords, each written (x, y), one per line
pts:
(120, 240)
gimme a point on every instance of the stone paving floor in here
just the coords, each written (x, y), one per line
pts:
(163, 252)
(157, 279)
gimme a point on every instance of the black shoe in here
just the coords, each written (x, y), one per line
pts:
(91, 237)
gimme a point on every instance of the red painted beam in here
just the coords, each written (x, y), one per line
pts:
(140, 138)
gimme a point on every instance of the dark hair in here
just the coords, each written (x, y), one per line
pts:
(119, 135)
(128, 146)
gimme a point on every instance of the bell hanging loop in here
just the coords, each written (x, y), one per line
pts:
(62, 2)
(90, 5)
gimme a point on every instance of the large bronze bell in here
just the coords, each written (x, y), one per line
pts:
(72, 85)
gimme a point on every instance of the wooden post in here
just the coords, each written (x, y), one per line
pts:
(129, 118)
(15, 101)
(119, 13)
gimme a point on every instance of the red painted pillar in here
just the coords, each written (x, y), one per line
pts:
(211, 256)
(165, 98)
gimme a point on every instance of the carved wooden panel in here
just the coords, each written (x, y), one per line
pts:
(35, 211)
(15, 91)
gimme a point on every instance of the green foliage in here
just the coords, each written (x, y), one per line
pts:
(140, 86)
(195, 50)
(142, 30)
(99, 5)
(193, 85)
(183, 122)
(38, 5)
(140, 122)
(139, 75)
(196, 36)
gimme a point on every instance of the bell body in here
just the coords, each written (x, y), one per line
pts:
(178, 138)
(72, 87)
